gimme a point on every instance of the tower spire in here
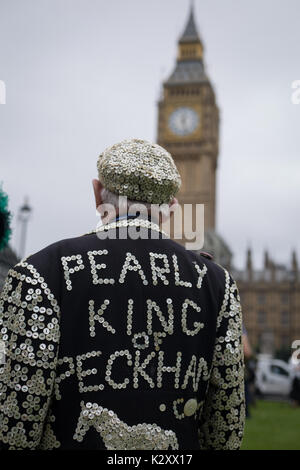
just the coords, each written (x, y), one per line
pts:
(294, 261)
(266, 260)
(190, 46)
(249, 265)
(190, 33)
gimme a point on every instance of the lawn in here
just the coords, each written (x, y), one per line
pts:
(272, 426)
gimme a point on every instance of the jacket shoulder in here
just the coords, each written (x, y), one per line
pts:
(59, 248)
(47, 262)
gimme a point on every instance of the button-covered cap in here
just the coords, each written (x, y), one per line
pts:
(140, 170)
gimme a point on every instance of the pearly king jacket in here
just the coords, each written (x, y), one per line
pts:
(120, 339)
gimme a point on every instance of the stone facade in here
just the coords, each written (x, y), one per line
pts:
(271, 301)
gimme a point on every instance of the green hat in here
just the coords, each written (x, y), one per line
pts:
(5, 231)
(140, 170)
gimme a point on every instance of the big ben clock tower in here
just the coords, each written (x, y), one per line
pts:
(188, 127)
(188, 123)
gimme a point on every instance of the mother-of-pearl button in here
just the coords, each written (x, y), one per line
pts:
(190, 407)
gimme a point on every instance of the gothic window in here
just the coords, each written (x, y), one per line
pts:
(284, 317)
(261, 299)
(261, 317)
(285, 340)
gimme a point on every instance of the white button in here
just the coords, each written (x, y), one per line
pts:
(190, 407)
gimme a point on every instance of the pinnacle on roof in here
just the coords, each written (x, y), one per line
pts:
(190, 33)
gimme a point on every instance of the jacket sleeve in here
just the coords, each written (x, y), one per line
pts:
(221, 423)
(29, 335)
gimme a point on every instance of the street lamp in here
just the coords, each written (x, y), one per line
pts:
(23, 217)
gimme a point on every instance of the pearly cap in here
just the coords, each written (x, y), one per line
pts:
(140, 170)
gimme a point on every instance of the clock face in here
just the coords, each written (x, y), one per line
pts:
(183, 121)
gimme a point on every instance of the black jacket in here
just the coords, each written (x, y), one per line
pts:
(120, 344)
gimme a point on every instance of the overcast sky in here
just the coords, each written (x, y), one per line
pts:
(83, 74)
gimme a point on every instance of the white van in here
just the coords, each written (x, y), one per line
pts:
(273, 377)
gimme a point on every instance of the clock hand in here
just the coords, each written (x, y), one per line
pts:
(183, 121)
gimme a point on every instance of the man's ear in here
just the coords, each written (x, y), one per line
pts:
(173, 204)
(97, 186)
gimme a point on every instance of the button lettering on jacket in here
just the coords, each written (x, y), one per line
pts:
(160, 266)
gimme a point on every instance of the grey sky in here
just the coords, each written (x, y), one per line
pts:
(84, 74)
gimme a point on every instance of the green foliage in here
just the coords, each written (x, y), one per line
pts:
(272, 426)
(5, 231)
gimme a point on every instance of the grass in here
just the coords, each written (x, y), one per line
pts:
(272, 426)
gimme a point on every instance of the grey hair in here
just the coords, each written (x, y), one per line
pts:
(116, 200)
(124, 204)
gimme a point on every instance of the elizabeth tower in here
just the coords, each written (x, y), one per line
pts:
(188, 124)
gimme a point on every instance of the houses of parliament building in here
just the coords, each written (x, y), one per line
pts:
(188, 126)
